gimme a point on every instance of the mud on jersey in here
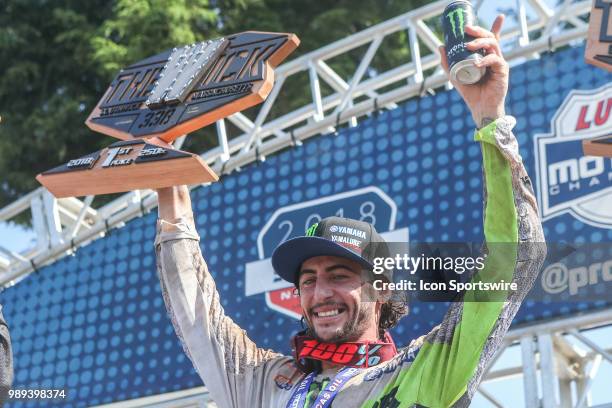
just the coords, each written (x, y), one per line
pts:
(440, 369)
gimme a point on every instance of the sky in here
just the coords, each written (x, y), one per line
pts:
(17, 238)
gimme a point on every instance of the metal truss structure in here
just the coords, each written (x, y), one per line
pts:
(558, 363)
(61, 226)
(551, 356)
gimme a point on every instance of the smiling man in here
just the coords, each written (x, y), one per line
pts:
(330, 297)
(346, 357)
(331, 268)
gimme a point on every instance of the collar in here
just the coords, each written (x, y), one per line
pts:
(349, 354)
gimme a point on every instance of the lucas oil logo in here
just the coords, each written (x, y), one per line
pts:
(568, 181)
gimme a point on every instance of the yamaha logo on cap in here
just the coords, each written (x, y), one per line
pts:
(351, 234)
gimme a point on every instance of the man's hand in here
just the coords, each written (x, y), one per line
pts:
(486, 98)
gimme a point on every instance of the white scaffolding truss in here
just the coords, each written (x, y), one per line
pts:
(558, 361)
(558, 364)
(61, 226)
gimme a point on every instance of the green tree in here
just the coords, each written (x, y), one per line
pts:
(318, 23)
(141, 28)
(47, 83)
(57, 58)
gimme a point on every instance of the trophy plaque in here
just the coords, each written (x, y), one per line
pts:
(598, 50)
(154, 101)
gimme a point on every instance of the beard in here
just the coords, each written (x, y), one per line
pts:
(352, 329)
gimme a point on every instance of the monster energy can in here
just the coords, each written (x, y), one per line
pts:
(456, 16)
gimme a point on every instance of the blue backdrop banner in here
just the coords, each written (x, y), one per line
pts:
(95, 325)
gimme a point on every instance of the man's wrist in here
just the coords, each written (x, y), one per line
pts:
(174, 202)
(486, 119)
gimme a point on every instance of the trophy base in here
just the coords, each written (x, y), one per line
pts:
(600, 146)
(598, 51)
(126, 166)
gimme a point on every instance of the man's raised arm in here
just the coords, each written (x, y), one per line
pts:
(452, 357)
(222, 354)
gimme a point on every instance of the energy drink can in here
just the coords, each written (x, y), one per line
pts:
(455, 17)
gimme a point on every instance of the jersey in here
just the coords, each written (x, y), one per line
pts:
(6, 360)
(440, 369)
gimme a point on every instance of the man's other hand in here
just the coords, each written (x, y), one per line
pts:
(486, 98)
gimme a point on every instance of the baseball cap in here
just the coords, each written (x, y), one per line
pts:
(332, 236)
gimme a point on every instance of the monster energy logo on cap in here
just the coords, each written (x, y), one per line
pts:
(312, 229)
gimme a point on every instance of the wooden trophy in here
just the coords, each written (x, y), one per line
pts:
(156, 100)
(598, 50)
(599, 146)
(599, 53)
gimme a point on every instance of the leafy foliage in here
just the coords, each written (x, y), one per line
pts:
(58, 57)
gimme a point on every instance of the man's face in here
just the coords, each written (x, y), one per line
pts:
(330, 295)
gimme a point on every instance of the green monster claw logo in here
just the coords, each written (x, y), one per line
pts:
(311, 230)
(457, 31)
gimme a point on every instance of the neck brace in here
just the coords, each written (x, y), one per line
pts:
(349, 354)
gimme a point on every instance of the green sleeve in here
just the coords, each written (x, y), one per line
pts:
(452, 357)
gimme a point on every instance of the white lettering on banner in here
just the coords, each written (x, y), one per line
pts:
(557, 278)
(573, 169)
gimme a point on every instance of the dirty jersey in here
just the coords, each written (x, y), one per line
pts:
(440, 369)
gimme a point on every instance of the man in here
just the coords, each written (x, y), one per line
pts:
(345, 357)
(6, 360)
